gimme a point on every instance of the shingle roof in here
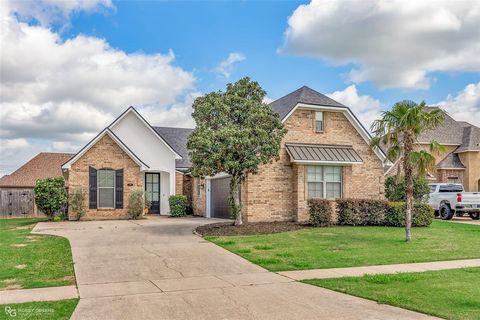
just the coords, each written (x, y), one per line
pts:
(451, 161)
(322, 153)
(471, 139)
(43, 165)
(177, 139)
(306, 95)
(450, 132)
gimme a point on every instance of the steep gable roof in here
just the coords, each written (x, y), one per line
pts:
(120, 143)
(449, 132)
(177, 139)
(470, 140)
(43, 165)
(451, 161)
(285, 104)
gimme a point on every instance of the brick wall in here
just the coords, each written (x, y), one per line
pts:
(279, 188)
(198, 196)
(106, 154)
(178, 183)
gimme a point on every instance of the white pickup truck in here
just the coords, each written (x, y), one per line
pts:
(449, 199)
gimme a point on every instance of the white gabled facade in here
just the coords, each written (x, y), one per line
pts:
(145, 142)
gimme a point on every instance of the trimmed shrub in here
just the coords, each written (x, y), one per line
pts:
(137, 204)
(320, 212)
(50, 195)
(178, 205)
(361, 212)
(395, 191)
(77, 202)
(422, 215)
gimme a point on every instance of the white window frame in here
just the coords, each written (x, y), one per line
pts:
(98, 188)
(324, 181)
(322, 121)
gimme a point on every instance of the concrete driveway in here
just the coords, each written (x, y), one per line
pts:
(158, 269)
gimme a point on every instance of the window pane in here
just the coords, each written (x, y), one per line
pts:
(155, 196)
(319, 116)
(155, 187)
(149, 178)
(333, 174)
(148, 187)
(105, 197)
(314, 173)
(319, 125)
(315, 190)
(155, 177)
(334, 190)
(106, 178)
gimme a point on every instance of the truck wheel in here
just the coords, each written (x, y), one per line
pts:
(445, 212)
(474, 215)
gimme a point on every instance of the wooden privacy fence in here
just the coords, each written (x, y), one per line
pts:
(16, 203)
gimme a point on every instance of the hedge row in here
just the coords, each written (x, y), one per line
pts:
(365, 212)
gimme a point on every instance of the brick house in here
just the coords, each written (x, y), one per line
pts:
(460, 163)
(325, 153)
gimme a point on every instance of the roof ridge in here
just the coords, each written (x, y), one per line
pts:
(173, 127)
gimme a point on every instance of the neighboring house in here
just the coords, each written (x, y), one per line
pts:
(460, 163)
(16, 189)
(325, 154)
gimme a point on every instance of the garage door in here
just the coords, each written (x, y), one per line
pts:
(219, 189)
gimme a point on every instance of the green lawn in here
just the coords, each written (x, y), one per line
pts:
(32, 261)
(57, 310)
(355, 246)
(450, 294)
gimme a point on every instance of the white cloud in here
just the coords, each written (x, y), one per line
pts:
(225, 68)
(50, 11)
(64, 92)
(365, 107)
(465, 106)
(393, 43)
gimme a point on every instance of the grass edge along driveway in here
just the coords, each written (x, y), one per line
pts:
(30, 260)
(451, 294)
(335, 247)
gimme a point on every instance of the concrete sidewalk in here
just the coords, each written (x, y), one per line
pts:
(38, 294)
(381, 269)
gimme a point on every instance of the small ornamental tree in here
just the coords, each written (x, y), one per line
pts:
(77, 202)
(50, 195)
(236, 132)
(398, 130)
(137, 203)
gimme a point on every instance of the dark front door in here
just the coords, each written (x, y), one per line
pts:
(152, 191)
(219, 190)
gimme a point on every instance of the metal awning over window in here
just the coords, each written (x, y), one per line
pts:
(322, 154)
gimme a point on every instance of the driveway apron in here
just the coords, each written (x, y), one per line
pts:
(158, 269)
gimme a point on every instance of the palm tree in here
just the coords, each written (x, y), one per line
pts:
(399, 129)
(425, 161)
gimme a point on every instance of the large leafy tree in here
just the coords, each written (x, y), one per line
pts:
(235, 133)
(398, 130)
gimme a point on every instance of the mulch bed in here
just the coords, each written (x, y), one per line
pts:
(228, 229)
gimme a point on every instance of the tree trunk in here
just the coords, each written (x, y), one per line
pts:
(407, 167)
(234, 200)
(399, 170)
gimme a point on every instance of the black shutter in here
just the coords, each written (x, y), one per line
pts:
(119, 189)
(92, 189)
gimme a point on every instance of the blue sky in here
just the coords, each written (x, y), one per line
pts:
(203, 33)
(70, 67)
